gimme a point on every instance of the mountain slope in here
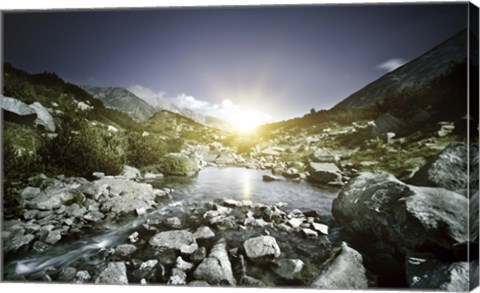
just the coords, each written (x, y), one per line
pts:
(122, 100)
(417, 72)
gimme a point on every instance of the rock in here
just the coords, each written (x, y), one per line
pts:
(310, 234)
(198, 255)
(389, 123)
(324, 173)
(53, 237)
(82, 277)
(151, 176)
(44, 118)
(324, 156)
(473, 207)
(261, 249)
(98, 175)
(173, 222)
(115, 274)
(295, 222)
(94, 216)
(16, 242)
(321, 228)
(248, 281)
(50, 199)
(75, 211)
(198, 284)
(129, 172)
(448, 169)
(178, 277)
(203, 232)
(93, 190)
(133, 238)
(432, 274)
(272, 151)
(181, 240)
(183, 265)
(147, 270)
(269, 178)
(140, 211)
(344, 270)
(288, 268)
(67, 274)
(406, 216)
(124, 250)
(30, 192)
(17, 107)
(216, 269)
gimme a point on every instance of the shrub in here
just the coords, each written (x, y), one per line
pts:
(177, 165)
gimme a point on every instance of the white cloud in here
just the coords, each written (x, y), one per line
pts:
(149, 96)
(391, 64)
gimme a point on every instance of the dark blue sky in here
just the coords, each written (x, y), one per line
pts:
(279, 60)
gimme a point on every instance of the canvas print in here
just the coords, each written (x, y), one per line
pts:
(293, 146)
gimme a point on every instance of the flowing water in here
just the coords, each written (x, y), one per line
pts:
(211, 183)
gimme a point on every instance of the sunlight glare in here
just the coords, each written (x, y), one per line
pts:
(247, 120)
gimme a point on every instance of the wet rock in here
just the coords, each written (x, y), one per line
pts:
(17, 241)
(269, 178)
(173, 222)
(321, 228)
(115, 274)
(178, 277)
(261, 249)
(140, 211)
(53, 237)
(181, 240)
(288, 268)
(324, 173)
(133, 238)
(124, 250)
(30, 192)
(147, 270)
(406, 216)
(344, 270)
(183, 265)
(40, 246)
(216, 268)
(203, 232)
(67, 274)
(309, 234)
(82, 277)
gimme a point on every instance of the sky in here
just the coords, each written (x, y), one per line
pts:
(260, 64)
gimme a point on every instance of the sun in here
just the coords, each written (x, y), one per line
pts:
(247, 120)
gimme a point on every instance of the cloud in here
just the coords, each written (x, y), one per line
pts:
(391, 64)
(149, 96)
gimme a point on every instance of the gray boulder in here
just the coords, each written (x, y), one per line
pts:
(203, 232)
(44, 118)
(288, 268)
(216, 268)
(261, 249)
(324, 173)
(180, 240)
(344, 270)
(268, 178)
(129, 172)
(124, 250)
(324, 156)
(379, 205)
(449, 169)
(114, 274)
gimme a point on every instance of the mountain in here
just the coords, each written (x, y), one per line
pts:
(417, 72)
(122, 100)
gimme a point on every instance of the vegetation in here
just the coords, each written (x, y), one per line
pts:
(177, 165)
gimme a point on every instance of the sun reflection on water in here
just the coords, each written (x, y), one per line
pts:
(247, 191)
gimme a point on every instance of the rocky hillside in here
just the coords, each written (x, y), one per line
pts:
(122, 100)
(417, 72)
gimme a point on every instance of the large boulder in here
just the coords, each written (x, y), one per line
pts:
(324, 156)
(114, 274)
(180, 240)
(17, 111)
(344, 270)
(324, 173)
(216, 269)
(449, 169)
(261, 249)
(44, 118)
(388, 123)
(379, 205)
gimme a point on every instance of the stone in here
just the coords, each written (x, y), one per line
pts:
(53, 237)
(181, 240)
(94, 216)
(129, 172)
(321, 228)
(133, 238)
(30, 192)
(344, 270)
(44, 118)
(216, 269)
(183, 265)
(74, 210)
(261, 249)
(67, 274)
(98, 175)
(197, 283)
(82, 277)
(124, 250)
(309, 234)
(178, 277)
(269, 178)
(403, 215)
(322, 155)
(324, 173)
(295, 222)
(288, 268)
(248, 281)
(114, 274)
(389, 123)
(198, 255)
(173, 222)
(203, 232)
(147, 270)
